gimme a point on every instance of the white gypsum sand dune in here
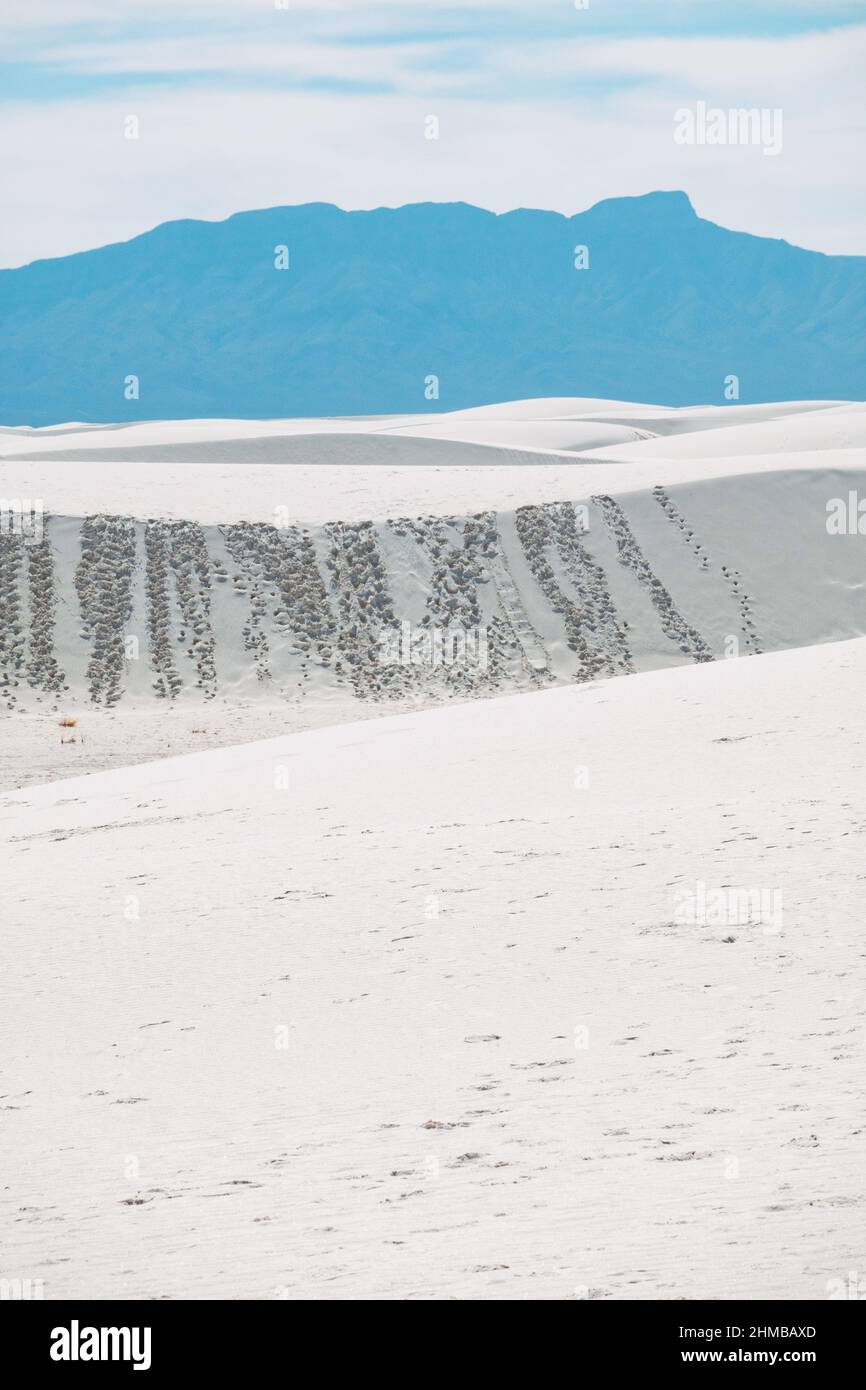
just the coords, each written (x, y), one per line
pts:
(836, 431)
(410, 1008)
(20, 441)
(173, 605)
(214, 471)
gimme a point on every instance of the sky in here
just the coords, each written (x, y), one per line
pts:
(243, 104)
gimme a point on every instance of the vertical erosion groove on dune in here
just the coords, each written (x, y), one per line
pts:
(11, 633)
(242, 543)
(593, 631)
(484, 555)
(157, 541)
(732, 577)
(43, 672)
(518, 637)
(673, 624)
(365, 608)
(191, 565)
(103, 580)
(611, 656)
(461, 553)
(279, 565)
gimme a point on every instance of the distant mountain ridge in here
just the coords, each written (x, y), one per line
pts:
(373, 305)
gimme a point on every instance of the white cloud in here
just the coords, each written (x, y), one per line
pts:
(546, 131)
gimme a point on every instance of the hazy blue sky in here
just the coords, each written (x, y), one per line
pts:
(242, 104)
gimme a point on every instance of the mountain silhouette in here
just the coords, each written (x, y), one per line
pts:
(373, 305)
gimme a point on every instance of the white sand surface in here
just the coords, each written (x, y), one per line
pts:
(339, 983)
(405, 1009)
(39, 746)
(504, 456)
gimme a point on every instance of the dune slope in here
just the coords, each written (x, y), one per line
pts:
(411, 1009)
(684, 546)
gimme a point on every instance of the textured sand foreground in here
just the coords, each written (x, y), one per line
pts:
(404, 1009)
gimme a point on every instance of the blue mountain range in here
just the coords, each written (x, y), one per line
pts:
(312, 310)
